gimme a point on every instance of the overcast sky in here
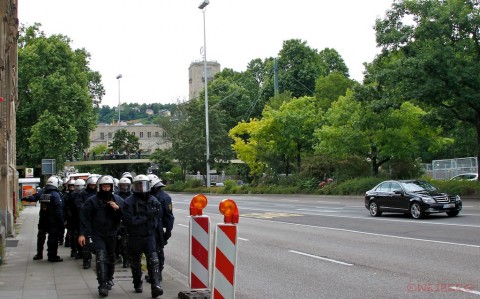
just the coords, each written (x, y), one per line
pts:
(152, 42)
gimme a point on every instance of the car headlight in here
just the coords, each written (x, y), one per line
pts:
(457, 198)
(428, 200)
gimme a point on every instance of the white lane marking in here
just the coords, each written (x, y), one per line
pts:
(377, 219)
(183, 225)
(321, 258)
(243, 239)
(465, 290)
(320, 210)
(371, 234)
(324, 201)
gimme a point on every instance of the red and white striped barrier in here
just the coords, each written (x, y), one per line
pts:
(225, 260)
(199, 252)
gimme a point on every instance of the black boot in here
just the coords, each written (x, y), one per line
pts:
(87, 263)
(136, 266)
(38, 256)
(41, 237)
(153, 266)
(101, 264)
(87, 258)
(110, 271)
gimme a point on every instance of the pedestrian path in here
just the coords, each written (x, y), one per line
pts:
(23, 278)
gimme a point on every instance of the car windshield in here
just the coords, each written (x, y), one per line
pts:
(417, 186)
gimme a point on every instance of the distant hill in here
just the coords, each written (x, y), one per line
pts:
(132, 113)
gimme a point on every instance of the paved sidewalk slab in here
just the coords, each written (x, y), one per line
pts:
(23, 278)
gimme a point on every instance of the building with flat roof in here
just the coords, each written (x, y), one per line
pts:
(196, 80)
(150, 137)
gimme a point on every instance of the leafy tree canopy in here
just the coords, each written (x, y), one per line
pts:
(57, 93)
(431, 55)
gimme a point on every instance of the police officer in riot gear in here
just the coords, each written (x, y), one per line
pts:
(124, 191)
(89, 191)
(99, 220)
(67, 196)
(143, 219)
(73, 217)
(50, 220)
(167, 219)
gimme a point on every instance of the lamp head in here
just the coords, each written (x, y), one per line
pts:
(119, 76)
(204, 4)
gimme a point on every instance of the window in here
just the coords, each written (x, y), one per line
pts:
(110, 135)
(395, 187)
(149, 134)
(157, 134)
(102, 136)
(141, 134)
(383, 187)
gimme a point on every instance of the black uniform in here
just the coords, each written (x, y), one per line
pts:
(79, 201)
(143, 220)
(50, 222)
(167, 219)
(99, 222)
(122, 237)
(72, 218)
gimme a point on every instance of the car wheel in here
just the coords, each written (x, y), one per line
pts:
(453, 213)
(416, 211)
(374, 210)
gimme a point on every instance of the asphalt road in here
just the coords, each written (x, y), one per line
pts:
(298, 246)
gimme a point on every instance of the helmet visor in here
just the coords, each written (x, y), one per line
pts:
(124, 187)
(141, 187)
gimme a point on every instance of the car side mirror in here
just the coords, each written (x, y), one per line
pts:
(400, 192)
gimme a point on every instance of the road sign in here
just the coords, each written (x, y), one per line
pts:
(48, 166)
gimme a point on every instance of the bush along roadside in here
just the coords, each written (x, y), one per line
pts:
(357, 186)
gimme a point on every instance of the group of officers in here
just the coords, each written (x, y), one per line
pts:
(109, 218)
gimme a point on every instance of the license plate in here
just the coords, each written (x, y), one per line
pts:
(449, 205)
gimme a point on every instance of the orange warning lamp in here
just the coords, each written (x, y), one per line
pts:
(228, 208)
(198, 203)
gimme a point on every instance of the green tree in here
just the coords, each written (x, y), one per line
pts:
(299, 67)
(329, 88)
(280, 138)
(187, 134)
(333, 61)
(164, 160)
(289, 130)
(353, 128)
(57, 93)
(431, 55)
(125, 142)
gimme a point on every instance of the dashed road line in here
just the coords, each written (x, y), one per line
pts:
(321, 258)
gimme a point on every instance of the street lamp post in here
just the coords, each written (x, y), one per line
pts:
(203, 6)
(118, 78)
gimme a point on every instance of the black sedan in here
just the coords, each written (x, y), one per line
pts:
(415, 197)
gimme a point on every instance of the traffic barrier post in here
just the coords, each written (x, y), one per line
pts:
(226, 252)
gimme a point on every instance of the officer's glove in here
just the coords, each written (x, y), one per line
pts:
(167, 235)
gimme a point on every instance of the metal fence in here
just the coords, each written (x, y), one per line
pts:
(214, 178)
(448, 168)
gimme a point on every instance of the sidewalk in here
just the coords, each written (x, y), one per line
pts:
(23, 278)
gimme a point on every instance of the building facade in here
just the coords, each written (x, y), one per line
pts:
(196, 80)
(151, 137)
(8, 106)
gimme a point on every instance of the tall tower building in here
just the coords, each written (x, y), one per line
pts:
(196, 80)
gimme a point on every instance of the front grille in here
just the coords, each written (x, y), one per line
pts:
(442, 199)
